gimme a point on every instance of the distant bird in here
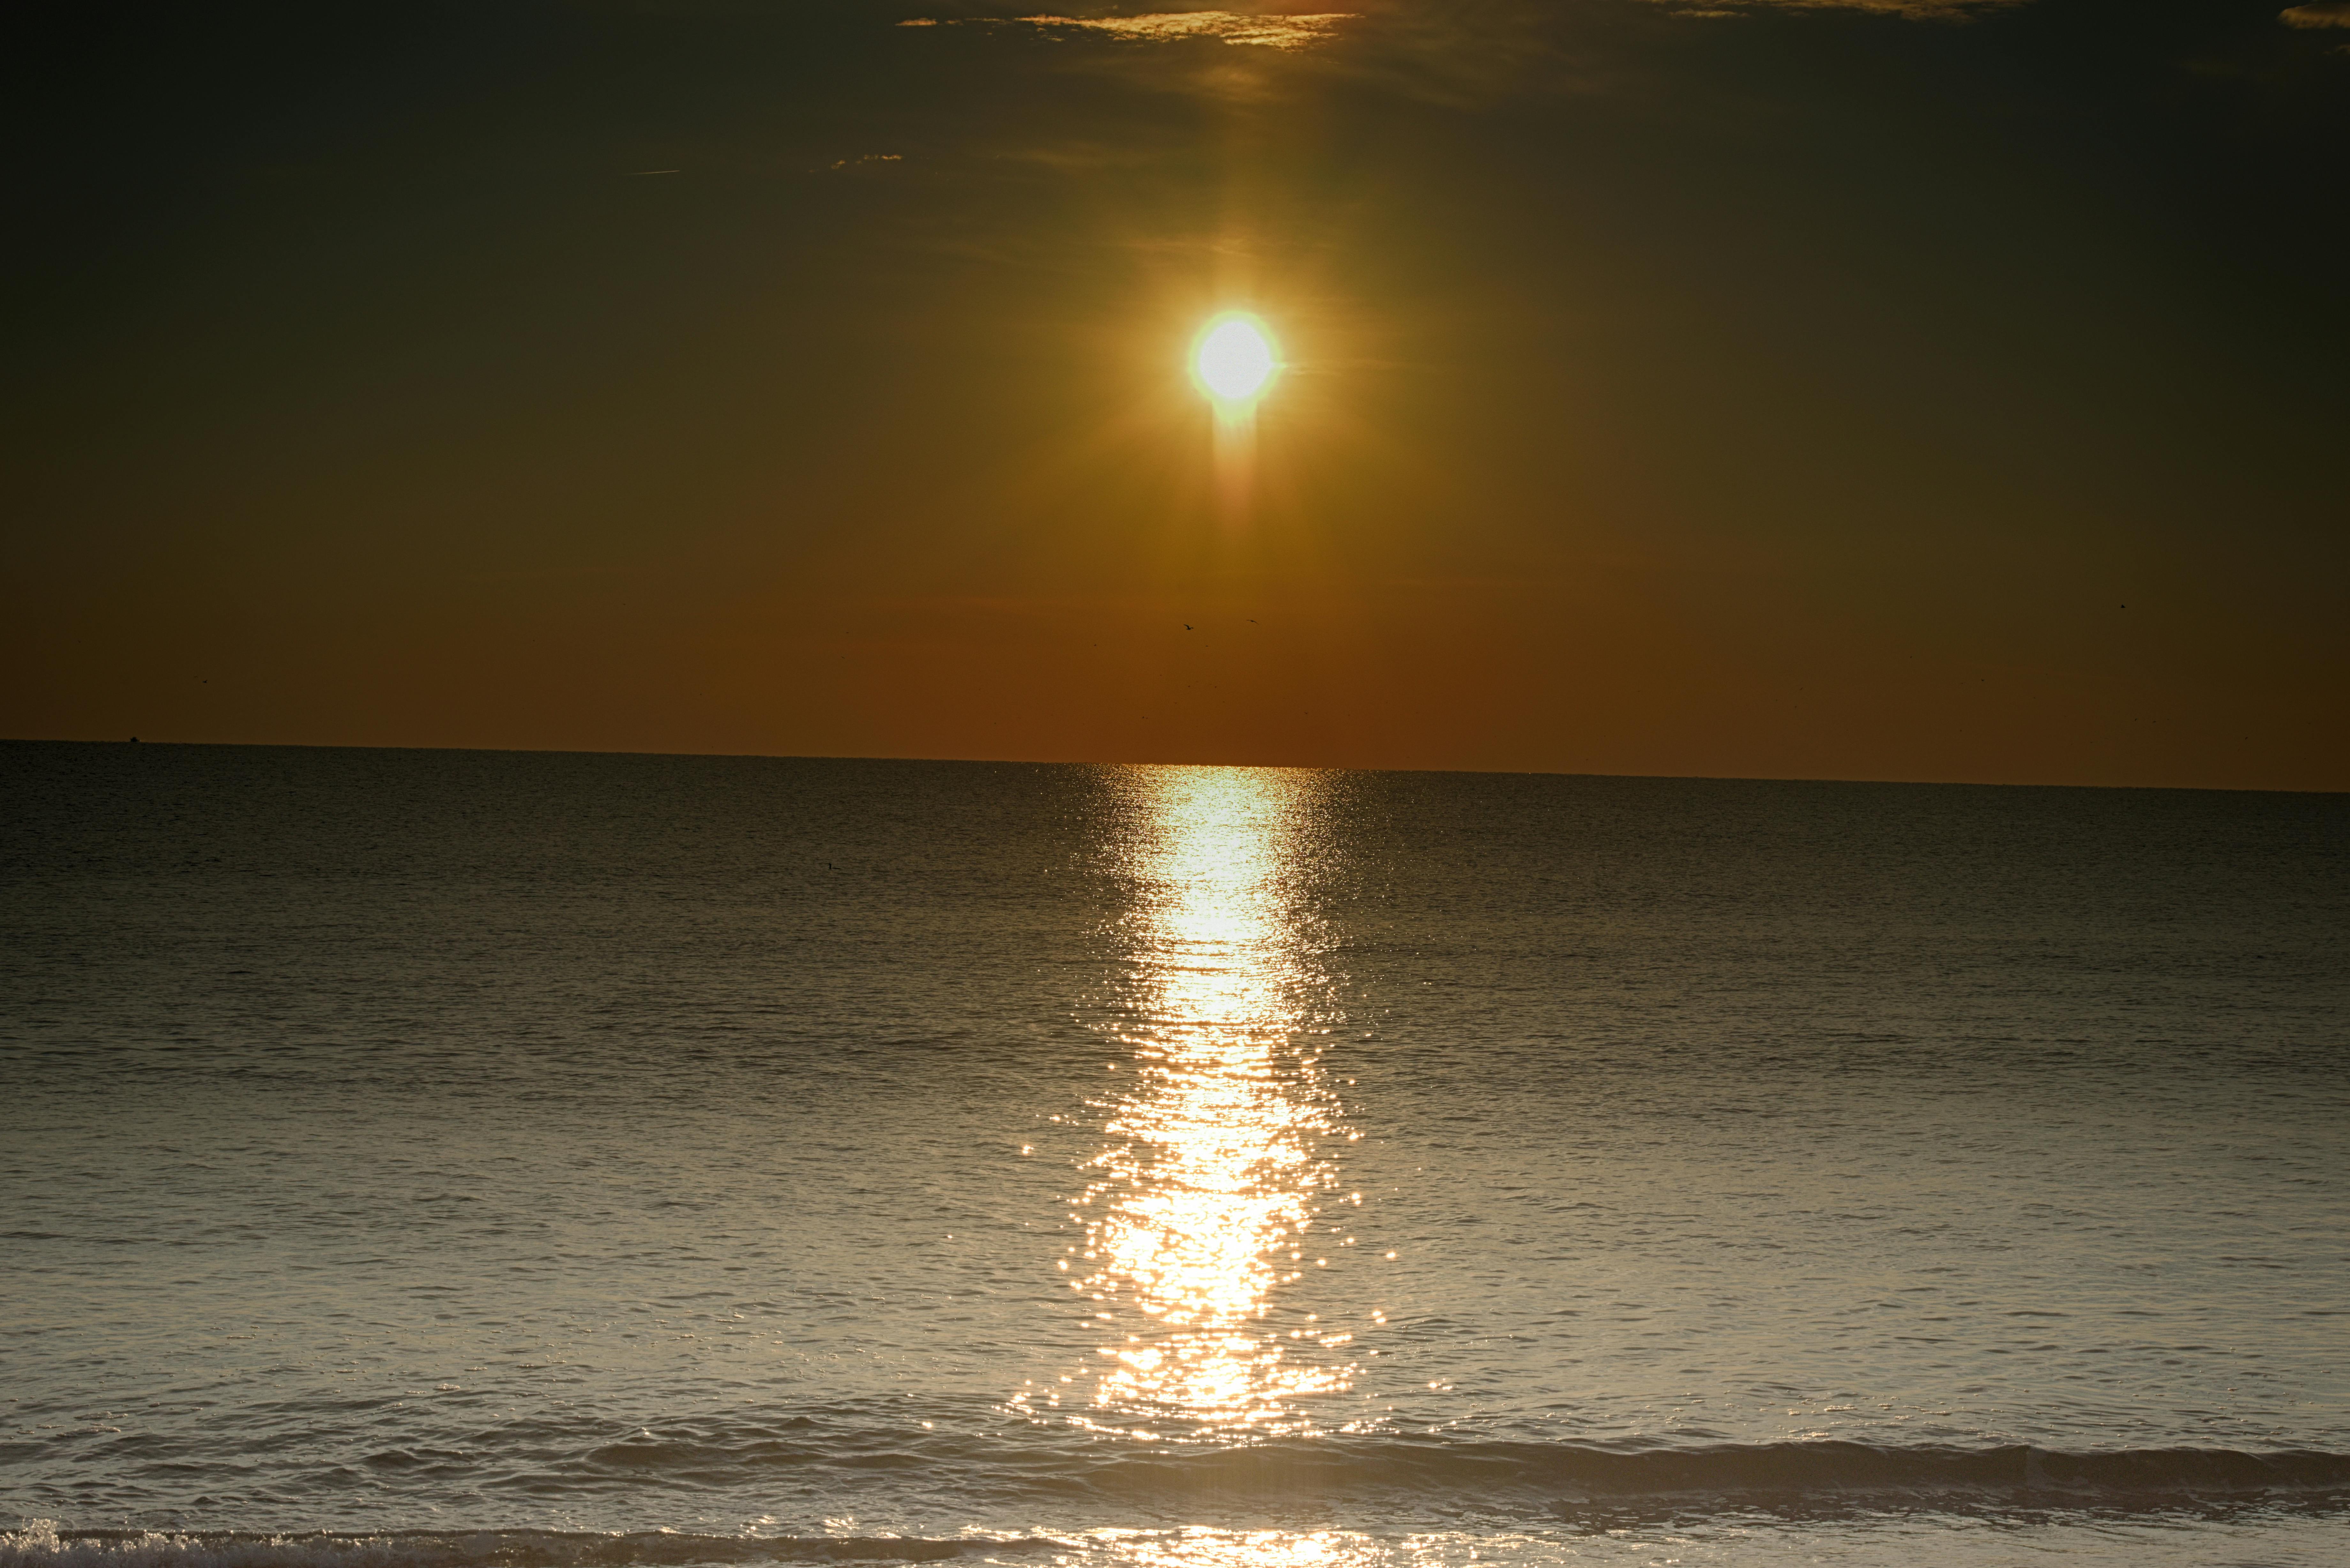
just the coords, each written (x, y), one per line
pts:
(1187, 625)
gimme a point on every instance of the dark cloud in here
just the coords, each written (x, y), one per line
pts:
(1914, 10)
(2318, 14)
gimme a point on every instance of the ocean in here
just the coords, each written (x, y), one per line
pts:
(450, 1159)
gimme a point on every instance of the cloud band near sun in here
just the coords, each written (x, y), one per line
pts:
(1169, 27)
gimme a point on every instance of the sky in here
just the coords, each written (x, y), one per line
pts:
(1929, 391)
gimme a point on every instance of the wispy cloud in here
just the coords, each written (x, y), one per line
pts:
(1271, 32)
(2318, 14)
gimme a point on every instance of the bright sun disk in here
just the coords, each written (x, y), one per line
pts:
(1235, 359)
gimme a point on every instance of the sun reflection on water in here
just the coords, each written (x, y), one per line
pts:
(1204, 1202)
(1197, 1548)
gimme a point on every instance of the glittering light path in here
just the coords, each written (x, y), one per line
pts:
(1204, 1199)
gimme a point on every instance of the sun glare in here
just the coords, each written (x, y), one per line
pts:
(1235, 360)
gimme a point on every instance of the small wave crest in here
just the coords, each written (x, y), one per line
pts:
(1385, 1482)
(965, 1472)
(41, 1544)
(1734, 1472)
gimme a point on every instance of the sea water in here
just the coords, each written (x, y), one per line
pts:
(466, 1159)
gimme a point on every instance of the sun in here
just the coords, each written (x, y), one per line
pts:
(1234, 359)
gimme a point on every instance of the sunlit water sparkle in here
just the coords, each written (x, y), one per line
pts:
(1207, 1197)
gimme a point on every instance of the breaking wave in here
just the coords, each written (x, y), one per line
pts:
(1572, 1473)
(1360, 1480)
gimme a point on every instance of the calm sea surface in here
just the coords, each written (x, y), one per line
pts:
(478, 1158)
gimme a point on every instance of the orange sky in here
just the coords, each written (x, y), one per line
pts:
(1776, 394)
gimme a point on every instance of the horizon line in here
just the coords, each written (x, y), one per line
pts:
(1098, 762)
